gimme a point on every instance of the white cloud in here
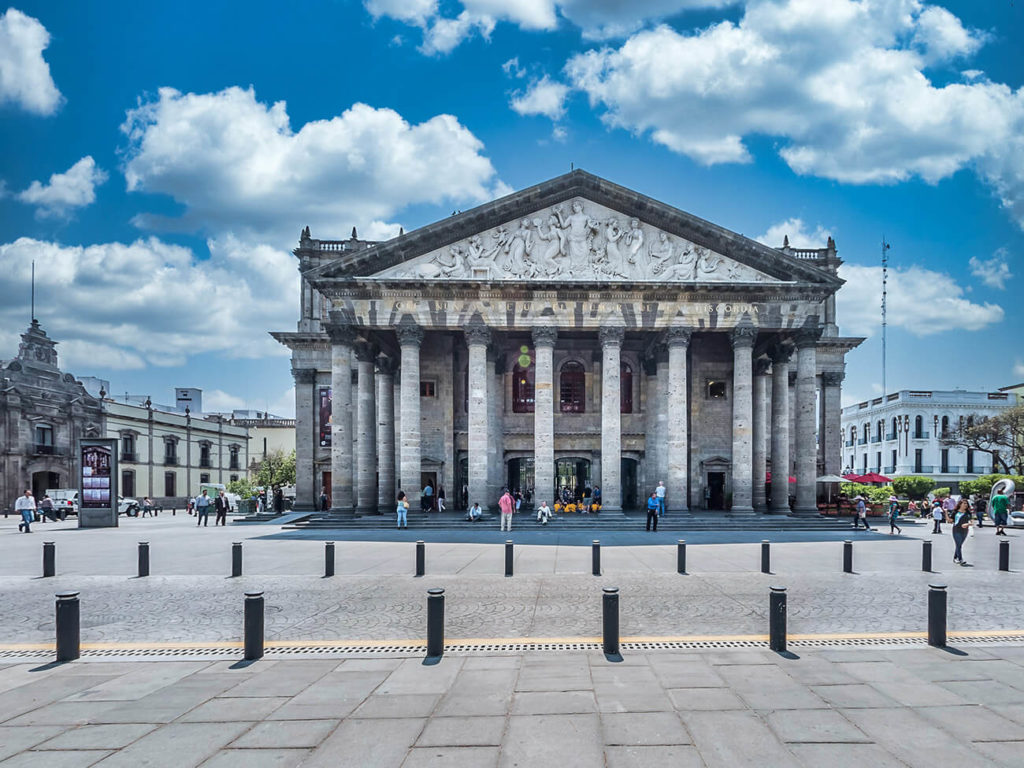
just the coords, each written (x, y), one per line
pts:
(410, 11)
(1018, 369)
(235, 164)
(796, 231)
(219, 401)
(605, 19)
(151, 303)
(24, 74)
(543, 97)
(75, 188)
(992, 272)
(512, 69)
(841, 86)
(921, 301)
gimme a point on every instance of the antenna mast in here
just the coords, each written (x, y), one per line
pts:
(885, 287)
(33, 318)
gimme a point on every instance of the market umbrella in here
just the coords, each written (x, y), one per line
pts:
(874, 477)
(852, 478)
(830, 479)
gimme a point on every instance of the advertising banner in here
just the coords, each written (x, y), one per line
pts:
(325, 417)
(97, 485)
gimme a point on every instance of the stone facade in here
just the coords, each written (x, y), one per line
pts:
(572, 334)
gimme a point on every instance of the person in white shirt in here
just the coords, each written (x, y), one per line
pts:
(660, 494)
(26, 505)
(543, 513)
(474, 513)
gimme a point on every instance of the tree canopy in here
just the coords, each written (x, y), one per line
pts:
(277, 469)
(1001, 436)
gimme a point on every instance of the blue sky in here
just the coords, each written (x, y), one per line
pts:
(160, 159)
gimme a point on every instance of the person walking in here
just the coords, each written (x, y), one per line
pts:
(440, 498)
(894, 512)
(507, 505)
(586, 499)
(427, 500)
(1000, 516)
(660, 493)
(402, 510)
(46, 509)
(203, 503)
(26, 505)
(278, 501)
(222, 505)
(862, 514)
(937, 516)
(978, 507)
(961, 527)
(324, 500)
(652, 511)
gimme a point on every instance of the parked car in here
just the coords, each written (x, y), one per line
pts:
(128, 506)
(65, 500)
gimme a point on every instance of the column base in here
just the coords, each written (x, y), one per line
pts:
(304, 508)
(778, 510)
(748, 511)
(345, 512)
(367, 511)
(805, 512)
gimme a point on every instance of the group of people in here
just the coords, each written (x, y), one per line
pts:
(655, 506)
(201, 505)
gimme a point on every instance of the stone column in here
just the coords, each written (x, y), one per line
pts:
(832, 410)
(792, 420)
(478, 336)
(386, 491)
(661, 434)
(677, 482)
(496, 476)
(410, 337)
(544, 338)
(743, 338)
(611, 418)
(342, 496)
(760, 458)
(780, 354)
(651, 411)
(307, 492)
(806, 427)
(366, 431)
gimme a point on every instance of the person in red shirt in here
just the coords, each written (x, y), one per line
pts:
(507, 505)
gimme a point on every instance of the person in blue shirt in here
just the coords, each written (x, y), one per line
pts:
(652, 511)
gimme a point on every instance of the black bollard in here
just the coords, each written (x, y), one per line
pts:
(926, 556)
(847, 556)
(421, 558)
(937, 615)
(610, 633)
(1004, 555)
(143, 558)
(681, 556)
(253, 626)
(236, 559)
(766, 556)
(595, 557)
(777, 619)
(68, 633)
(435, 622)
(329, 558)
(508, 557)
(49, 559)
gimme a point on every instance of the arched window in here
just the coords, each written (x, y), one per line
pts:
(918, 426)
(895, 421)
(572, 390)
(945, 425)
(625, 388)
(879, 428)
(522, 385)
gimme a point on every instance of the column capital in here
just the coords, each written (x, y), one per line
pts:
(678, 337)
(386, 365)
(544, 335)
(611, 335)
(341, 333)
(832, 378)
(477, 332)
(807, 336)
(781, 351)
(761, 366)
(743, 336)
(304, 375)
(409, 332)
(365, 352)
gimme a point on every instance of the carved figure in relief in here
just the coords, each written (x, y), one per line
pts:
(661, 253)
(519, 243)
(550, 246)
(684, 266)
(577, 226)
(613, 263)
(708, 263)
(634, 242)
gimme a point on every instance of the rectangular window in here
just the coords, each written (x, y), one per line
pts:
(170, 452)
(893, 462)
(428, 389)
(970, 460)
(572, 395)
(204, 455)
(204, 477)
(234, 458)
(127, 447)
(918, 459)
(170, 484)
(127, 483)
(945, 460)
(715, 389)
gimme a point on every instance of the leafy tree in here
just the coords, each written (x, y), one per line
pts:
(1001, 436)
(875, 494)
(912, 486)
(983, 485)
(941, 492)
(242, 487)
(276, 470)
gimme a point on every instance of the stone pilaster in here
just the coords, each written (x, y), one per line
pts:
(677, 483)
(342, 495)
(410, 338)
(792, 419)
(478, 336)
(661, 434)
(806, 447)
(780, 355)
(760, 431)
(386, 491)
(544, 338)
(832, 414)
(366, 431)
(496, 476)
(307, 493)
(743, 338)
(611, 417)
(651, 409)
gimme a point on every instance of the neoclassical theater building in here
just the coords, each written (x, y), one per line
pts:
(570, 335)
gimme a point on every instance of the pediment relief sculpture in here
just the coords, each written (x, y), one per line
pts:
(577, 241)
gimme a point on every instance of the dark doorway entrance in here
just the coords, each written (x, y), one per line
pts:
(716, 490)
(428, 478)
(520, 478)
(42, 482)
(325, 487)
(462, 483)
(628, 474)
(572, 474)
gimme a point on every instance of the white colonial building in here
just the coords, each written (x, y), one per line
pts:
(900, 433)
(570, 335)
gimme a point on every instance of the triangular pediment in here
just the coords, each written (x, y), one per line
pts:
(574, 228)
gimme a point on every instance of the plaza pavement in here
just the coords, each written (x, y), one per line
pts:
(860, 705)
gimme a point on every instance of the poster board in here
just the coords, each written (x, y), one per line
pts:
(97, 482)
(325, 417)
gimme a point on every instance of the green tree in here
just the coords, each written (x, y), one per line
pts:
(1001, 436)
(277, 469)
(912, 486)
(983, 485)
(243, 487)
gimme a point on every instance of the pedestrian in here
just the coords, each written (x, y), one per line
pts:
(597, 496)
(203, 503)
(147, 506)
(660, 492)
(475, 513)
(961, 527)
(440, 498)
(586, 498)
(652, 511)
(324, 500)
(937, 516)
(862, 514)
(1000, 503)
(222, 505)
(402, 510)
(519, 501)
(26, 505)
(427, 500)
(46, 509)
(507, 505)
(543, 513)
(894, 512)
(261, 502)
(278, 501)
(978, 505)
(911, 509)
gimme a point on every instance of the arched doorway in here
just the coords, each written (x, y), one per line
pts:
(42, 482)
(572, 473)
(628, 470)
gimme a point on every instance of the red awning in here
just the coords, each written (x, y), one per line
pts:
(768, 478)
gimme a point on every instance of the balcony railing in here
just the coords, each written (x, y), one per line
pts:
(171, 461)
(890, 435)
(862, 441)
(204, 463)
(919, 468)
(889, 470)
(874, 469)
(46, 450)
(131, 457)
(920, 436)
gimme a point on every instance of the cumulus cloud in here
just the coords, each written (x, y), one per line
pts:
(992, 272)
(151, 303)
(1018, 369)
(799, 237)
(75, 188)
(921, 301)
(235, 164)
(543, 97)
(25, 79)
(842, 87)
